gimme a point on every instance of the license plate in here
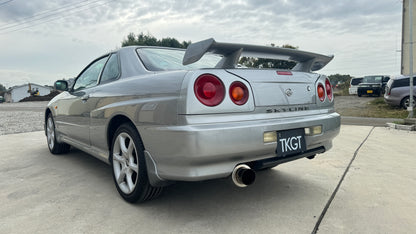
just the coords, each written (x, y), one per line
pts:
(290, 142)
(369, 91)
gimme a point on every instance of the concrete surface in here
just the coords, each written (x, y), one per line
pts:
(74, 193)
(364, 121)
(379, 193)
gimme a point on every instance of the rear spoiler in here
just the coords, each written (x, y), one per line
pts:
(306, 61)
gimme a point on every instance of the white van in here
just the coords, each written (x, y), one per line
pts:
(354, 85)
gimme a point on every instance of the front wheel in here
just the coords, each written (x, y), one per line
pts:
(129, 166)
(54, 146)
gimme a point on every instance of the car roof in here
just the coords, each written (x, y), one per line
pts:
(398, 77)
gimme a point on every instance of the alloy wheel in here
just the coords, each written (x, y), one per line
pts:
(125, 163)
(50, 133)
(406, 103)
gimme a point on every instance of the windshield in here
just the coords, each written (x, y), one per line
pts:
(372, 79)
(157, 59)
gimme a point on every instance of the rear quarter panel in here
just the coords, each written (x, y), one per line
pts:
(145, 100)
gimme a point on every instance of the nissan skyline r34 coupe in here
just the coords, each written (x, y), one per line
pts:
(159, 115)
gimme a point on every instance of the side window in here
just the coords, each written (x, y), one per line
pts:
(111, 70)
(401, 83)
(90, 76)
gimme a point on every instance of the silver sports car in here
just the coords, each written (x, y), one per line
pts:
(158, 115)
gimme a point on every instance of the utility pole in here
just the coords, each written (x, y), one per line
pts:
(410, 108)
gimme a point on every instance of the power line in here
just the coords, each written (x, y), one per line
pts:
(41, 13)
(4, 3)
(50, 14)
(50, 17)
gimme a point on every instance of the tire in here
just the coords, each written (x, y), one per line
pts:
(129, 166)
(406, 102)
(53, 145)
(359, 94)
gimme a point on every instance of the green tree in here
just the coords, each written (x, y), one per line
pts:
(149, 40)
(268, 63)
(2, 88)
(343, 80)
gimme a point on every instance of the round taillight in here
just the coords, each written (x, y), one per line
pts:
(328, 88)
(209, 90)
(238, 93)
(321, 92)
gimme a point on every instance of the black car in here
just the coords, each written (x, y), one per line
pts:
(372, 85)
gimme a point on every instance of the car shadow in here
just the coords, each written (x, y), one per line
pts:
(272, 189)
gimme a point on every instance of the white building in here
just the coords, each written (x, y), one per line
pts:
(17, 93)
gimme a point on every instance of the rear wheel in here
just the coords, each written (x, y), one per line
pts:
(406, 102)
(54, 146)
(129, 166)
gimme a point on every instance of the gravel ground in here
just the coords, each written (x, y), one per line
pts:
(21, 117)
(351, 105)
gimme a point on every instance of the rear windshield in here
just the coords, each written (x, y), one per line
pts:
(158, 59)
(372, 79)
(356, 81)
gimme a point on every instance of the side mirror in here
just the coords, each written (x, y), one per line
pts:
(61, 85)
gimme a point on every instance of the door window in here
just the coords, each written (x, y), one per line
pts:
(89, 77)
(111, 70)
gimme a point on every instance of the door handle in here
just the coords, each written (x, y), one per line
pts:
(85, 98)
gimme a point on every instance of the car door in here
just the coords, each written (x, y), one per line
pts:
(73, 112)
(102, 96)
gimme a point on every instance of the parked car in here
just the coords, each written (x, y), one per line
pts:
(354, 85)
(158, 115)
(372, 85)
(1, 99)
(398, 91)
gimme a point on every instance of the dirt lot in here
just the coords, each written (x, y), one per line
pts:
(21, 117)
(351, 105)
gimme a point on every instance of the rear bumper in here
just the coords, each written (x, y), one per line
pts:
(369, 91)
(211, 150)
(394, 101)
(352, 91)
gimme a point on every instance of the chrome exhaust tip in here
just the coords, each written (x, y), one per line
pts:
(243, 175)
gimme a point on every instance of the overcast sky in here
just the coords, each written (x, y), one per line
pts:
(42, 41)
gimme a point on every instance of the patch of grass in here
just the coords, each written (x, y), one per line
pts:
(378, 108)
(378, 102)
(375, 108)
(341, 92)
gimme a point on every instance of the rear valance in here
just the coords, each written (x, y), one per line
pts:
(306, 61)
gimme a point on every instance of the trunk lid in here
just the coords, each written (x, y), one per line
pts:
(271, 89)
